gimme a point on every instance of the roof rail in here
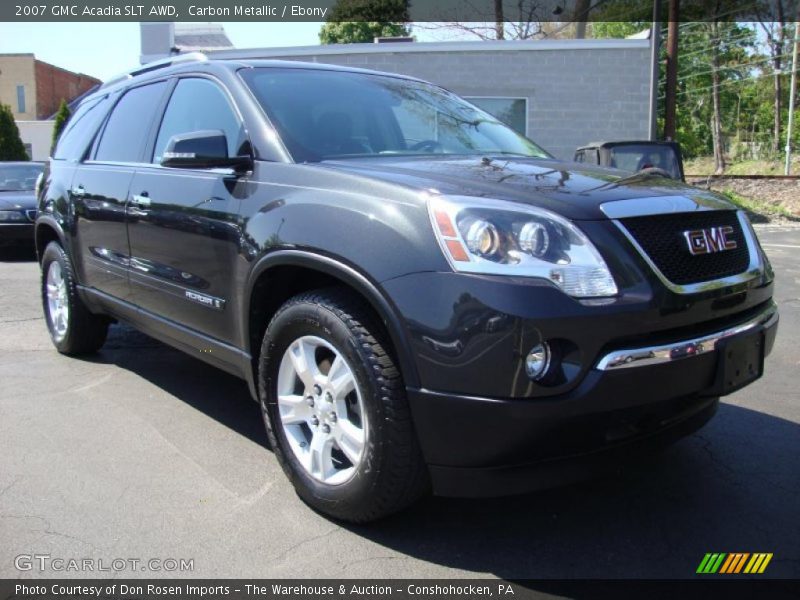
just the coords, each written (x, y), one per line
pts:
(157, 64)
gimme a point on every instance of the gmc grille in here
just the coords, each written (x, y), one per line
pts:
(661, 237)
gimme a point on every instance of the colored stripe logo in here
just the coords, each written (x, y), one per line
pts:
(733, 563)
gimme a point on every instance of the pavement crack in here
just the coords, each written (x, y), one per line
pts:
(9, 486)
(21, 320)
(48, 530)
(363, 561)
(731, 473)
(726, 470)
(283, 555)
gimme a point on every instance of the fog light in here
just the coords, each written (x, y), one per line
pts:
(537, 361)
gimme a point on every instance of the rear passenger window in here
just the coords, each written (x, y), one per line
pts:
(80, 129)
(198, 105)
(126, 131)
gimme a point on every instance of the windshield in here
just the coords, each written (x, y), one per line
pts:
(635, 157)
(19, 178)
(334, 114)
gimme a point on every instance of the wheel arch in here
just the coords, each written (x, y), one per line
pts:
(48, 230)
(285, 267)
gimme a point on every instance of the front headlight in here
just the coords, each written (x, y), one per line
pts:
(12, 216)
(495, 237)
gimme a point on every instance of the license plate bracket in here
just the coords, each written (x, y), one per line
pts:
(741, 361)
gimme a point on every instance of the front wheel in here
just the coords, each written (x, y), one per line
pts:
(73, 329)
(335, 408)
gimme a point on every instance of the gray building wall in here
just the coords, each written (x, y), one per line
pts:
(577, 91)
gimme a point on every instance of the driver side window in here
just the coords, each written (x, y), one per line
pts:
(196, 105)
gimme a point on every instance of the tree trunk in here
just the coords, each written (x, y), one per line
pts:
(499, 20)
(716, 120)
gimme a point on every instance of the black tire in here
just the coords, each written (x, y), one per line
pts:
(85, 332)
(391, 474)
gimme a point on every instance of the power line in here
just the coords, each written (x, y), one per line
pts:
(721, 84)
(738, 66)
(704, 44)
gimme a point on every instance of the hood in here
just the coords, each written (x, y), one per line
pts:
(17, 200)
(573, 190)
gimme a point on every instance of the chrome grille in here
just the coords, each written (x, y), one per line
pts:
(661, 238)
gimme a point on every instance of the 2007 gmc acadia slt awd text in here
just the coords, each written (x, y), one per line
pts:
(419, 297)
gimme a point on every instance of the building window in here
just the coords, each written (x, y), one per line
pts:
(20, 98)
(511, 111)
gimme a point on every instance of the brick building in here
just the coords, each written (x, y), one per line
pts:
(34, 89)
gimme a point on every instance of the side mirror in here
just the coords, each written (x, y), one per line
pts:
(206, 149)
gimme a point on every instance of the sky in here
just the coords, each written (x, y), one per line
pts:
(105, 49)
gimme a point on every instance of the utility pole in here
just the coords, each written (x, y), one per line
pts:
(655, 44)
(792, 93)
(671, 91)
(580, 16)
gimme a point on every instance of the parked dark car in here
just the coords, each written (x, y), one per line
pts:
(663, 158)
(419, 297)
(18, 201)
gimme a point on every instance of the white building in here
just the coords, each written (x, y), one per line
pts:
(37, 137)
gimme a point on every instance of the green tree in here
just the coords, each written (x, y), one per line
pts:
(618, 29)
(11, 146)
(361, 21)
(62, 116)
(714, 63)
(358, 32)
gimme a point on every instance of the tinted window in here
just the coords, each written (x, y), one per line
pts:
(80, 129)
(125, 133)
(329, 114)
(197, 105)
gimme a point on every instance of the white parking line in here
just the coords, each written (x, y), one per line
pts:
(780, 246)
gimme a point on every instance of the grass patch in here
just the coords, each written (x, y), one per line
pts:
(704, 165)
(758, 210)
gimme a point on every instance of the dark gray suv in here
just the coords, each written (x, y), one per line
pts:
(419, 298)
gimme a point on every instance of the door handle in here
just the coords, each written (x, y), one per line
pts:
(78, 190)
(141, 200)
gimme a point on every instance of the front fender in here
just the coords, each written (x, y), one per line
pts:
(349, 275)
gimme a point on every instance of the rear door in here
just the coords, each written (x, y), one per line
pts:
(100, 190)
(184, 229)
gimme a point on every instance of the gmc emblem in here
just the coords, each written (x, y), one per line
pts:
(708, 241)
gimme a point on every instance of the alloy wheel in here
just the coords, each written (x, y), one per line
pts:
(321, 410)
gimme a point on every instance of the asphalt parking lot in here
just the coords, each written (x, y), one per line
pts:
(142, 452)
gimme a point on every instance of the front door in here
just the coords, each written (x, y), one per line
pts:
(183, 224)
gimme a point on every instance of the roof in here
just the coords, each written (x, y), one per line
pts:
(468, 46)
(183, 60)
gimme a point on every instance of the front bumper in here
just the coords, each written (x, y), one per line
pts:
(632, 399)
(16, 233)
